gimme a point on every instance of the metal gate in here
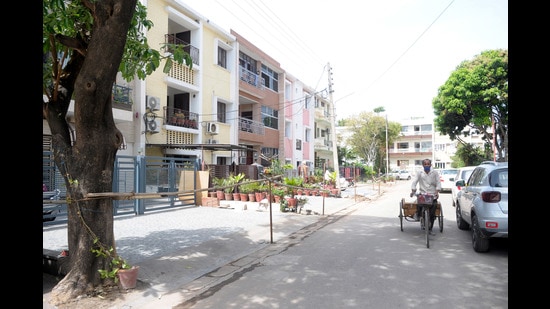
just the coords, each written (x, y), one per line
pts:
(137, 174)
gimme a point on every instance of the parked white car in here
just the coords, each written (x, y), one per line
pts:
(403, 175)
(482, 204)
(462, 174)
(447, 177)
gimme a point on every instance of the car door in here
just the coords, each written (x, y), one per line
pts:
(470, 192)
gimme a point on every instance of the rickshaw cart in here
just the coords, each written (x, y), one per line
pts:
(408, 209)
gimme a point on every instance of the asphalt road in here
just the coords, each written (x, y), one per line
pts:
(364, 260)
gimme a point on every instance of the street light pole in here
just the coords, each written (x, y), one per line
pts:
(387, 148)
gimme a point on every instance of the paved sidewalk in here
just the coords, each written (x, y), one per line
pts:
(175, 248)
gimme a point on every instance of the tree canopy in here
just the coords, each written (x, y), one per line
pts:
(368, 138)
(475, 98)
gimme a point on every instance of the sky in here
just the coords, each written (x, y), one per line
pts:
(382, 53)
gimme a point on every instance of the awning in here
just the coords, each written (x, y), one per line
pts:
(212, 147)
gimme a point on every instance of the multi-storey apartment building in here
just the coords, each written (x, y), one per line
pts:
(299, 112)
(234, 105)
(414, 144)
(259, 119)
(324, 139)
(189, 108)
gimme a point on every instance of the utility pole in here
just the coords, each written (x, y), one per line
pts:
(387, 149)
(333, 129)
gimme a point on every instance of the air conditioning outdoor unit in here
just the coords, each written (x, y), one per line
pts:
(153, 126)
(212, 128)
(212, 141)
(153, 103)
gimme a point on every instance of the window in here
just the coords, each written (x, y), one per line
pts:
(288, 129)
(426, 128)
(308, 135)
(288, 92)
(404, 146)
(270, 117)
(298, 144)
(308, 101)
(247, 62)
(248, 71)
(270, 78)
(223, 52)
(222, 107)
(426, 146)
(222, 57)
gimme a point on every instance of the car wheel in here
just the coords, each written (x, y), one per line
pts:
(479, 242)
(409, 178)
(462, 225)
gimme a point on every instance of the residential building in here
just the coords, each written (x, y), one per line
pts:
(197, 106)
(324, 137)
(234, 105)
(414, 144)
(299, 117)
(260, 99)
(419, 141)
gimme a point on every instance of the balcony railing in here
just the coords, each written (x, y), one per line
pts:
(411, 150)
(181, 118)
(122, 97)
(250, 77)
(322, 143)
(251, 126)
(188, 48)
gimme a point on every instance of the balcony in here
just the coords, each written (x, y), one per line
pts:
(188, 48)
(250, 77)
(181, 118)
(251, 126)
(122, 97)
(322, 143)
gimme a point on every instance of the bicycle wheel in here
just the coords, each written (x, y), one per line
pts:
(427, 225)
(401, 213)
(440, 219)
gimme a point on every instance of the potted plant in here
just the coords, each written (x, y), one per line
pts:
(218, 183)
(119, 269)
(228, 190)
(236, 179)
(248, 189)
(278, 193)
(244, 190)
(292, 183)
(300, 202)
(278, 168)
(260, 191)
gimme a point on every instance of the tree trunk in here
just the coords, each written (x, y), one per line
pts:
(87, 164)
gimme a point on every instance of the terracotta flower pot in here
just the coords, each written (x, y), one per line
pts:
(292, 201)
(128, 277)
(236, 196)
(252, 197)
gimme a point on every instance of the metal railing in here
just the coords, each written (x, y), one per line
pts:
(132, 174)
(251, 126)
(187, 47)
(181, 118)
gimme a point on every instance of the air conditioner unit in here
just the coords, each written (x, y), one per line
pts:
(153, 126)
(212, 128)
(212, 141)
(153, 103)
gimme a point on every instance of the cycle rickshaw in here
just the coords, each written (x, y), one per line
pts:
(426, 201)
